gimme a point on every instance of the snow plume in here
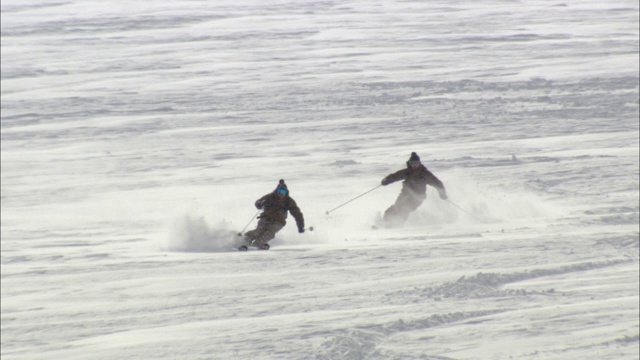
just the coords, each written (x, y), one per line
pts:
(192, 233)
(472, 202)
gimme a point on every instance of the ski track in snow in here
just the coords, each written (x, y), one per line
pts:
(137, 135)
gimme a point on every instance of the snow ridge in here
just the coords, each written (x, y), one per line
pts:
(484, 285)
(361, 343)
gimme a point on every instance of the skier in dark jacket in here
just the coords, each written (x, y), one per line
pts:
(275, 206)
(414, 190)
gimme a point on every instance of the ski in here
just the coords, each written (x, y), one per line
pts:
(247, 245)
(261, 247)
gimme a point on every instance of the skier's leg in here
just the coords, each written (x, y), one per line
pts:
(406, 203)
(393, 215)
(390, 212)
(269, 232)
(251, 236)
(410, 203)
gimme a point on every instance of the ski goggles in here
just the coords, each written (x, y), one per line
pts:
(282, 191)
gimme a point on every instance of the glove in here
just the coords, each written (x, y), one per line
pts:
(300, 230)
(259, 205)
(384, 182)
(443, 196)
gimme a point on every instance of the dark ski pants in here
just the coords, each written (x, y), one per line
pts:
(406, 203)
(264, 232)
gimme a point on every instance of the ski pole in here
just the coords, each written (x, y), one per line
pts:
(463, 210)
(339, 206)
(246, 226)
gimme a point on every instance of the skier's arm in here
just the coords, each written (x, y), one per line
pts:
(297, 215)
(260, 203)
(396, 176)
(436, 183)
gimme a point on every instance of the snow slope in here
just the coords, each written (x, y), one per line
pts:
(137, 135)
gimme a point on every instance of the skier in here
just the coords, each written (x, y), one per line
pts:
(414, 190)
(274, 206)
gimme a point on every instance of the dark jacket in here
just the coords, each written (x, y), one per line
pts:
(275, 208)
(416, 181)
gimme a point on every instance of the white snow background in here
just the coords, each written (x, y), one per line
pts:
(136, 136)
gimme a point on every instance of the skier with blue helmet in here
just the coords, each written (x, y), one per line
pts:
(275, 206)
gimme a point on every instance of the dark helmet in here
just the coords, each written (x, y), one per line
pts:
(414, 159)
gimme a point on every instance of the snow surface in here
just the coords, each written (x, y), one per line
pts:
(136, 136)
